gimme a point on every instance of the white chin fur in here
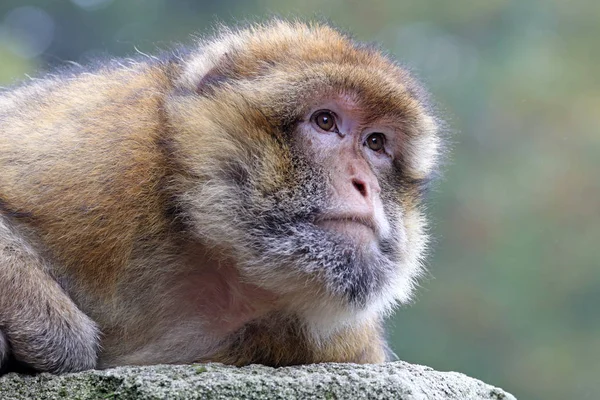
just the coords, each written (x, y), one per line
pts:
(330, 316)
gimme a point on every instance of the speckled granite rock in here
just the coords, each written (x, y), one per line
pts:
(396, 380)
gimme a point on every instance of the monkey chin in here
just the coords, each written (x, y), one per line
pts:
(360, 269)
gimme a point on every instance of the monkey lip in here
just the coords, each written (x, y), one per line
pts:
(362, 228)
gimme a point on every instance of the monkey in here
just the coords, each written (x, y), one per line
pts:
(255, 198)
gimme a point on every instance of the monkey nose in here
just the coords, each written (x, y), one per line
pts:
(360, 186)
(365, 188)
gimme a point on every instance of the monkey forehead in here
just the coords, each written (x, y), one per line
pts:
(371, 93)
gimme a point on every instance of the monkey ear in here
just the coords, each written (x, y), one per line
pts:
(210, 81)
(216, 76)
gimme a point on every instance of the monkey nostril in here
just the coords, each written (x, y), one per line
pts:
(360, 186)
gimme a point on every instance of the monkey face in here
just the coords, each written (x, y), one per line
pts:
(310, 171)
(353, 156)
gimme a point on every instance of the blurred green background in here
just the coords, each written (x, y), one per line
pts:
(513, 296)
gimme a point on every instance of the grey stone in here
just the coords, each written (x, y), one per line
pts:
(395, 380)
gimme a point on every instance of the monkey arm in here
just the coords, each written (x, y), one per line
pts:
(39, 323)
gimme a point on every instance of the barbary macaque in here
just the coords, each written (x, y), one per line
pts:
(256, 199)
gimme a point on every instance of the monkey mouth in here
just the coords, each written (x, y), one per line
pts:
(362, 229)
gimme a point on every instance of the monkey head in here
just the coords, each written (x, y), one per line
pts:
(304, 155)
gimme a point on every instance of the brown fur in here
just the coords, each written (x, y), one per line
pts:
(105, 174)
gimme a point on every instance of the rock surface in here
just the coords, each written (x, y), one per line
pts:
(395, 380)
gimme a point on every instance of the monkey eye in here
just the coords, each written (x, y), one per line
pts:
(375, 141)
(325, 120)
